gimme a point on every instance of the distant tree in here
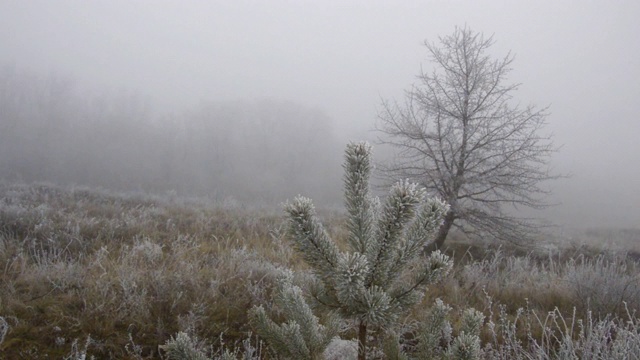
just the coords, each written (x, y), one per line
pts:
(55, 129)
(459, 134)
(383, 274)
(34, 117)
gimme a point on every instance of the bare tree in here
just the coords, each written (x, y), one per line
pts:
(459, 134)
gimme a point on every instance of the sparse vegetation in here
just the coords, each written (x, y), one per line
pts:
(92, 273)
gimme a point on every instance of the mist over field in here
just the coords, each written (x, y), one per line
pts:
(253, 102)
(152, 151)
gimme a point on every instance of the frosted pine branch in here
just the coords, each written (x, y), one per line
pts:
(383, 274)
(301, 336)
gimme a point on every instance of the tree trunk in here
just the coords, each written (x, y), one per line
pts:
(442, 233)
(362, 341)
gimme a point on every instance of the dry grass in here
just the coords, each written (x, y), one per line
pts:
(81, 263)
(116, 275)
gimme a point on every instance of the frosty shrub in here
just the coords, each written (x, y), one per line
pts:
(472, 321)
(434, 330)
(464, 347)
(604, 284)
(562, 337)
(302, 336)
(340, 349)
(183, 347)
(383, 273)
(435, 334)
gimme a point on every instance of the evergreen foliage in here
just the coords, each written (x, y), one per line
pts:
(466, 346)
(436, 329)
(434, 336)
(301, 336)
(383, 274)
(183, 347)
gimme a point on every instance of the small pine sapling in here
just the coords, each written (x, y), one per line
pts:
(466, 346)
(435, 335)
(433, 331)
(384, 273)
(183, 347)
(302, 336)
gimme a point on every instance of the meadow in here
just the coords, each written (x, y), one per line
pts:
(92, 273)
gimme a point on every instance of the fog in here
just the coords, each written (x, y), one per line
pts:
(254, 100)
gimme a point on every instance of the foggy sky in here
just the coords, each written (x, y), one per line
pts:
(580, 57)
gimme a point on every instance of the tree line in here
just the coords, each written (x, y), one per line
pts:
(260, 151)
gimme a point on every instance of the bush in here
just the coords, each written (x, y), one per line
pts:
(604, 285)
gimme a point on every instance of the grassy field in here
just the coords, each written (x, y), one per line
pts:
(92, 273)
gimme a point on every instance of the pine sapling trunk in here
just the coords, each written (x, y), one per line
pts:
(362, 340)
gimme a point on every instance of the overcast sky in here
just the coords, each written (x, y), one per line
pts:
(580, 57)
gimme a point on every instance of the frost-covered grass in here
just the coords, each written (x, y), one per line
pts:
(124, 269)
(601, 283)
(92, 273)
